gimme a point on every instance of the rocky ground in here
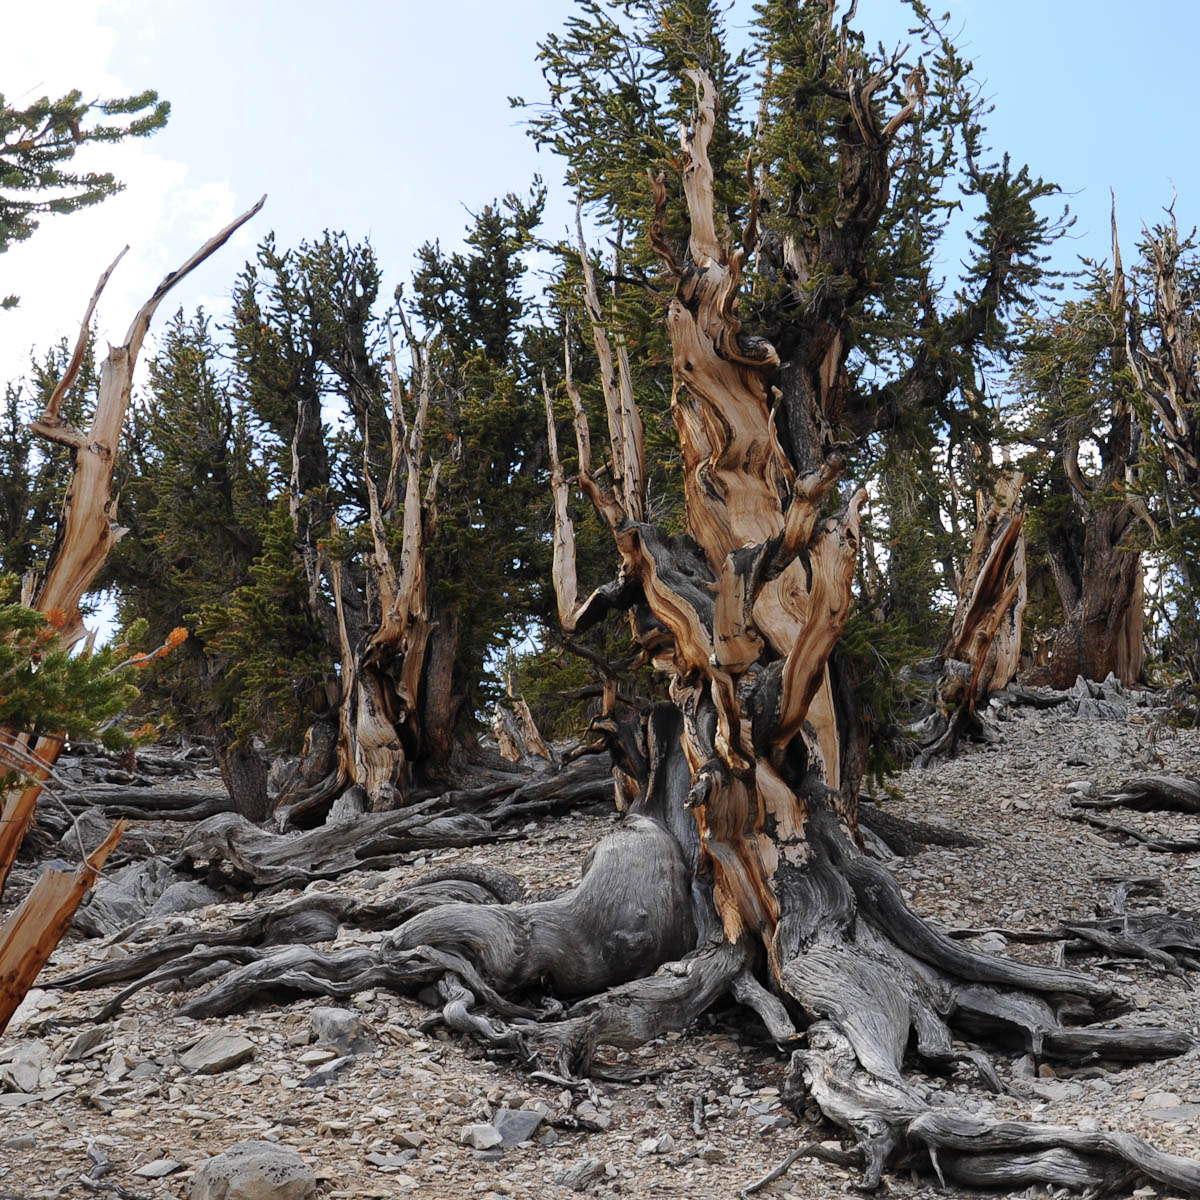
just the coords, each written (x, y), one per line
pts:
(380, 1105)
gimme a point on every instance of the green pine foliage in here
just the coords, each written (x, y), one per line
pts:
(266, 654)
(489, 560)
(34, 473)
(45, 689)
(193, 501)
(37, 144)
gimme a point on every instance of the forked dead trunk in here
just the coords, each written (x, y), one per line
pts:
(982, 649)
(86, 533)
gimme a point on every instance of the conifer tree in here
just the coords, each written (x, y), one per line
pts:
(1080, 393)
(37, 144)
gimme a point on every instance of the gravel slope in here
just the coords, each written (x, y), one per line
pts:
(390, 1123)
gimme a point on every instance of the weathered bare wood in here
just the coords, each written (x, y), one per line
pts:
(625, 432)
(19, 805)
(36, 926)
(87, 532)
(986, 628)
(381, 704)
(1172, 793)
(565, 578)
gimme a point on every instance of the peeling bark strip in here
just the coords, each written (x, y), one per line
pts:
(37, 925)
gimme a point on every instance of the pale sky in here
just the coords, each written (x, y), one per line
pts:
(390, 119)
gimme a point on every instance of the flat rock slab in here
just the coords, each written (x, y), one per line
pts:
(254, 1171)
(515, 1125)
(160, 1168)
(1181, 1114)
(217, 1052)
(328, 1073)
(481, 1136)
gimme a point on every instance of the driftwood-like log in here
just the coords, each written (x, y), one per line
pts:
(1150, 793)
(32, 931)
(257, 857)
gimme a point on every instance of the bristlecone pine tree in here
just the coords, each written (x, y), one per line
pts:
(743, 847)
(1076, 374)
(739, 868)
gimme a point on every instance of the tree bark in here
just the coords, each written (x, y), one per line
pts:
(1102, 632)
(986, 629)
(1103, 594)
(244, 774)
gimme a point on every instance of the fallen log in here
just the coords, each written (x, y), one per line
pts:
(32, 931)
(1149, 793)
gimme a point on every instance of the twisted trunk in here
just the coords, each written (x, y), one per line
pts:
(393, 714)
(738, 870)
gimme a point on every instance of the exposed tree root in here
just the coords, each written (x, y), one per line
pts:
(1171, 793)
(1167, 940)
(642, 948)
(1150, 793)
(150, 803)
(884, 1115)
(904, 836)
(255, 857)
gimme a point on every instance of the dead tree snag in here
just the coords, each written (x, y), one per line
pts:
(982, 650)
(86, 533)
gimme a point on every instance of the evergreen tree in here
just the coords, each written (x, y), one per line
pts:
(193, 502)
(880, 358)
(37, 144)
(488, 560)
(1080, 417)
